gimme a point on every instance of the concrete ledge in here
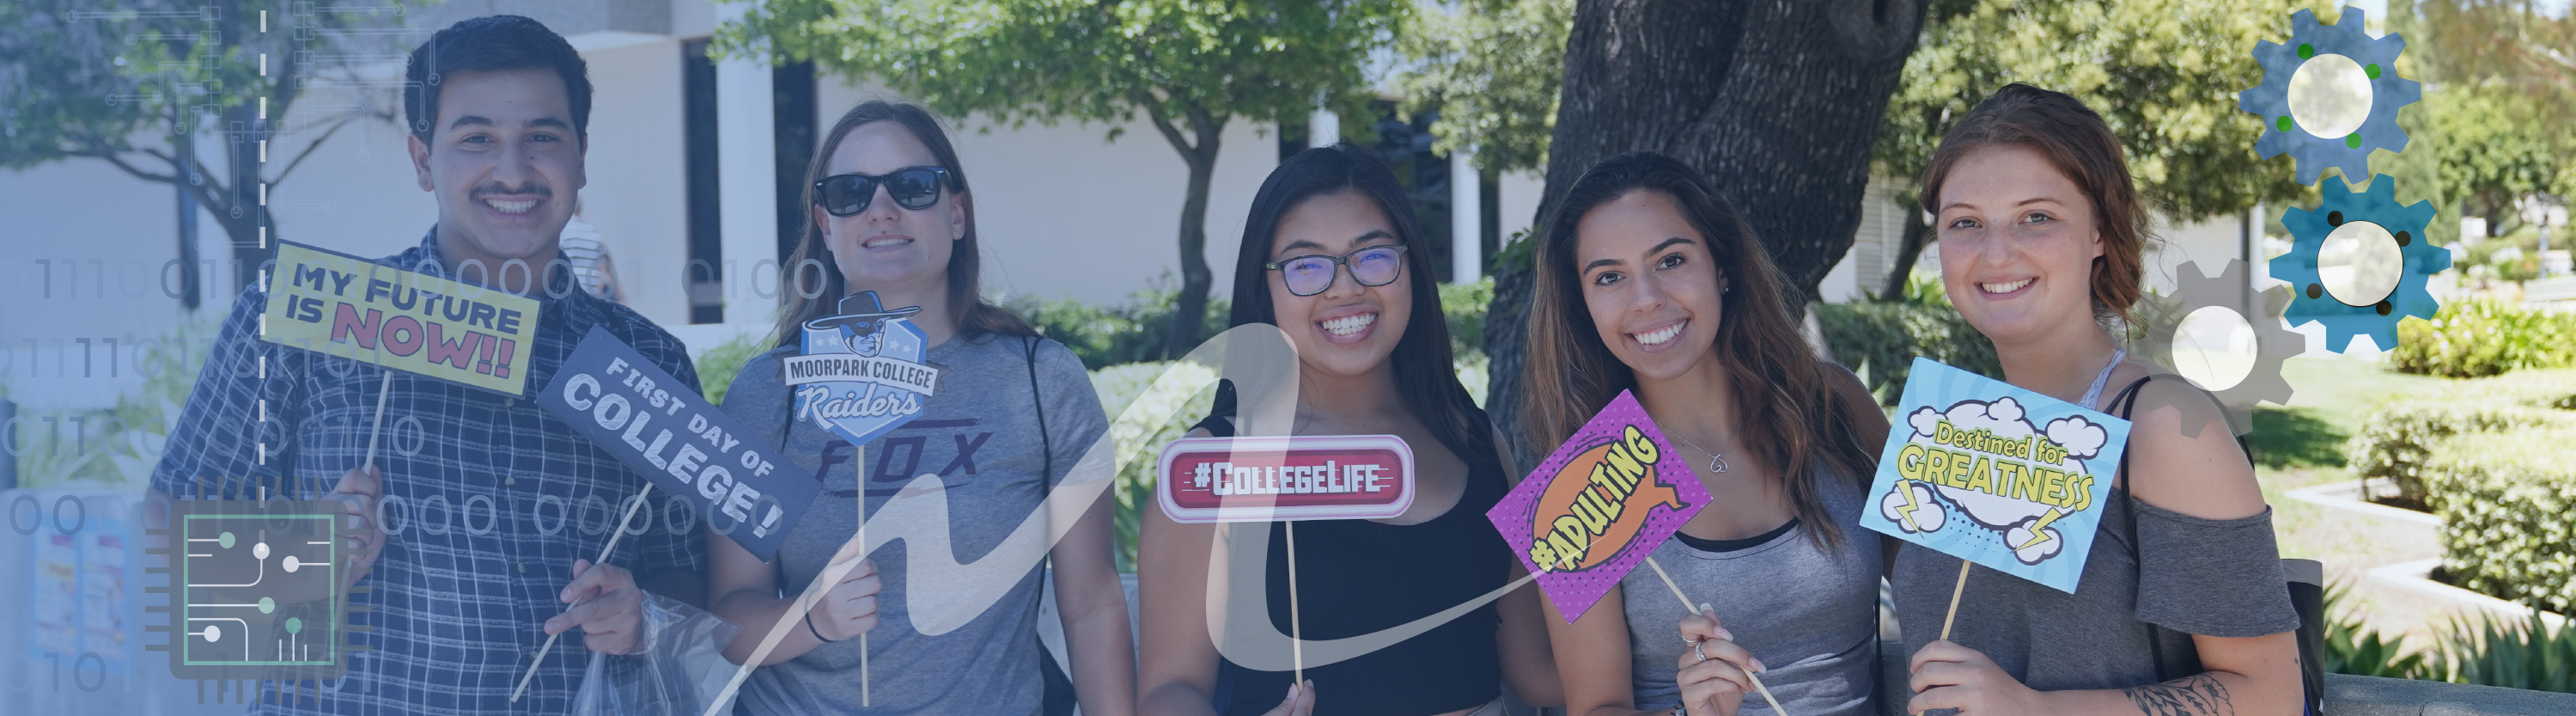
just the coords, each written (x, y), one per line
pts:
(2372, 696)
(2345, 695)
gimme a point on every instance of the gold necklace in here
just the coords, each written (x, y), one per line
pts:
(1716, 462)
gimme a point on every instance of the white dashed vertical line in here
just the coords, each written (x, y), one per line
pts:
(263, 108)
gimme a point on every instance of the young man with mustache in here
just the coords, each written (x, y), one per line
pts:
(497, 110)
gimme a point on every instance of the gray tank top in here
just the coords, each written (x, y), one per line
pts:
(1809, 614)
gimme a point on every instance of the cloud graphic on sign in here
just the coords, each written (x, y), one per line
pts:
(2082, 438)
(2004, 417)
(1920, 513)
(2030, 547)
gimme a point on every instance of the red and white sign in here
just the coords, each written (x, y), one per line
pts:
(1328, 477)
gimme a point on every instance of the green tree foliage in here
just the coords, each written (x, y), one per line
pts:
(2163, 73)
(1492, 68)
(2498, 103)
(157, 87)
(1190, 66)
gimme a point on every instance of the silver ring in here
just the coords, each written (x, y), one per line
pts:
(1703, 656)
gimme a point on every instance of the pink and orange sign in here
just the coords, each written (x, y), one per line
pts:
(1596, 507)
(1329, 477)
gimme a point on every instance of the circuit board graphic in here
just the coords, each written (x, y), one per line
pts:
(254, 590)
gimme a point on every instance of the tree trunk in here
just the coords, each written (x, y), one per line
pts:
(1777, 101)
(1189, 309)
(1917, 233)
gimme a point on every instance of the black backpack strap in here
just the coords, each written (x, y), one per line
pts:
(1218, 423)
(2123, 405)
(1046, 443)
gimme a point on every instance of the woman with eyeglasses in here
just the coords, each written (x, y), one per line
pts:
(892, 235)
(1648, 281)
(1331, 256)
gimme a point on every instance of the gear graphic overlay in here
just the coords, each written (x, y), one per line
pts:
(2329, 96)
(2194, 292)
(2360, 263)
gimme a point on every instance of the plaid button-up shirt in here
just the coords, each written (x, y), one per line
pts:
(493, 499)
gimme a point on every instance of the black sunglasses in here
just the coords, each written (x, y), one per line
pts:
(914, 188)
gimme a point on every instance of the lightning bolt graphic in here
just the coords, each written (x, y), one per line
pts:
(1911, 504)
(2036, 536)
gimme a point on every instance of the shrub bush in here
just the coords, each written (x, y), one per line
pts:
(1139, 430)
(2508, 506)
(1114, 335)
(2473, 339)
(1879, 340)
(718, 366)
(2396, 439)
(1464, 305)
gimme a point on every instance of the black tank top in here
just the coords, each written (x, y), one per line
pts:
(1358, 576)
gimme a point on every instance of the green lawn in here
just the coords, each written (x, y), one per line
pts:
(2329, 399)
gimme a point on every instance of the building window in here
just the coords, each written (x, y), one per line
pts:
(702, 274)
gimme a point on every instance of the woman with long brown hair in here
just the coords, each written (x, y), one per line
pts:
(2181, 608)
(1649, 281)
(892, 234)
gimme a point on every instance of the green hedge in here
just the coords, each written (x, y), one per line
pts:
(2397, 439)
(1114, 335)
(2473, 339)
(2508, 506)
(1879, 340)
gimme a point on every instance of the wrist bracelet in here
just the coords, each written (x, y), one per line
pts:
(818, 634)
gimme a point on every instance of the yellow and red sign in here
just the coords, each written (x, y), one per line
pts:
(415, 322)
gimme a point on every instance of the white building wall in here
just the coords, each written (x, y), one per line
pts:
(638, 193)
(1517, 195)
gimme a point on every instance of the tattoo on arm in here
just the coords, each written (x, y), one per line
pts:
(2201, 695)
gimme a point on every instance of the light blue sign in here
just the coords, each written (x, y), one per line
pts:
(863, 372)
(1995, 474)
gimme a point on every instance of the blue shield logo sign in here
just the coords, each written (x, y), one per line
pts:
(863, 372)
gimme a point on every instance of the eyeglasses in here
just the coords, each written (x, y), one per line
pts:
(1310, 275)
(914, 188)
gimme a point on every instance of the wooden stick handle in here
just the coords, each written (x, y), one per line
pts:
(1296, 631)
(613, 537)
(1686, 606)
(1955, 591)
(384, 391)
(860, 485)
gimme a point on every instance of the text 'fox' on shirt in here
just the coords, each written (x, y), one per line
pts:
(976, 447)
(1808, 612)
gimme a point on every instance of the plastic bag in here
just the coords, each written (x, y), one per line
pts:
(680, 670)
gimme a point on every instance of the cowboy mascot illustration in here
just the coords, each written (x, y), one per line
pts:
(862, 372)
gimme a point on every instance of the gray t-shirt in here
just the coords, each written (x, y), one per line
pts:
(2214, 577)
(1810, 614)
(979, 434)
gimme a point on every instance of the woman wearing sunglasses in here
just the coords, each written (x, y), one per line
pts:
(891, 214)
(1648, 281)
(2181, 610)
(1330, 257)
